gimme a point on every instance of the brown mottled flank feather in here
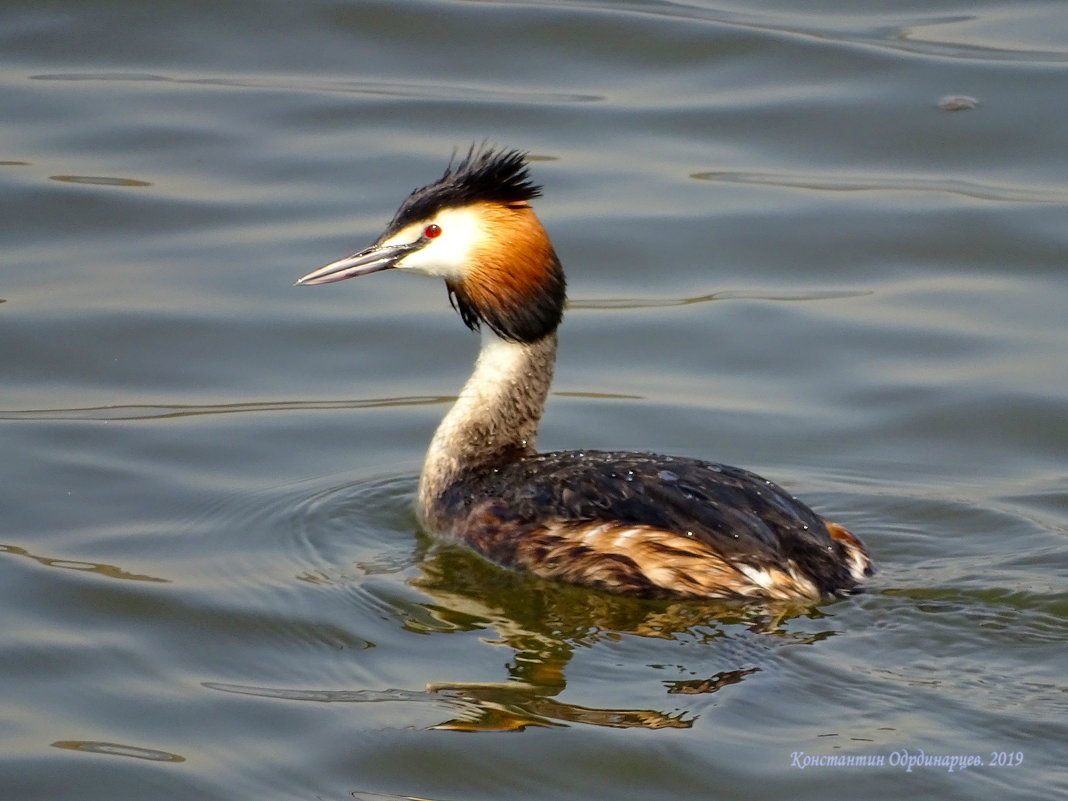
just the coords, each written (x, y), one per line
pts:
(654, 526)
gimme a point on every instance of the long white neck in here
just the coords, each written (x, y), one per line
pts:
(495, 417)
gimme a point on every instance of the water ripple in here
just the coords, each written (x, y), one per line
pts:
(486, 706)
(320, 696)
(99, 568)
(118, 749)
(168, 411)
(390, 89)
(822, 182)
(97, 180)
(601, 304)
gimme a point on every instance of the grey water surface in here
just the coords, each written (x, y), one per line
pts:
(825, 241)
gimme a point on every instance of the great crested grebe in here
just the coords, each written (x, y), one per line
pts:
(634, 523)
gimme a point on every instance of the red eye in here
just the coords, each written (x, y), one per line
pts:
(432, 231)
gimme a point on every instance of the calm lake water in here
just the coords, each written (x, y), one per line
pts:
(823, 241)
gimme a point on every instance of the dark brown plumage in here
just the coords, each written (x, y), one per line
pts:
(519, 511)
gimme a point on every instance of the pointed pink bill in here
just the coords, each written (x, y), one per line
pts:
(367, 261)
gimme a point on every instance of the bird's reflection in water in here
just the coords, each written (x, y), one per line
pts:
(544, 623)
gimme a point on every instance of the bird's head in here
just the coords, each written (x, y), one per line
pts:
(474, 228)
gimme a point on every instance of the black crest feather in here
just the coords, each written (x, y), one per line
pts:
(484, 174)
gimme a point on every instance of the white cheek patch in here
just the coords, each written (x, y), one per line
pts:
(447, 255)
